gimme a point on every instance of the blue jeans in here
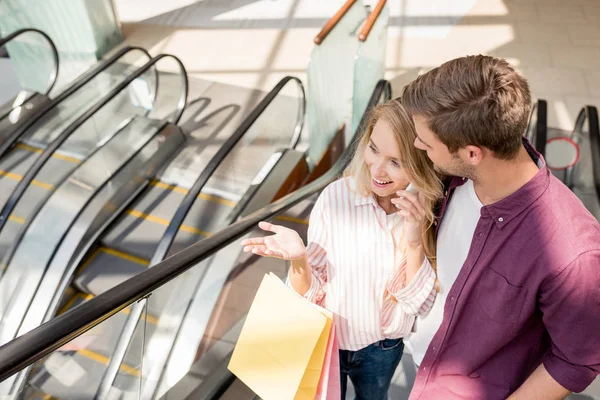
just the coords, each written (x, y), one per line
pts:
(371, 369)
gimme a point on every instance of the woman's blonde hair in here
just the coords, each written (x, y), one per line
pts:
(418, 166)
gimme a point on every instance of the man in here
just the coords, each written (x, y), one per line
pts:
(518, 313)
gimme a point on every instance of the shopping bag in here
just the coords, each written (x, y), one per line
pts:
(282, 346)
(329, 384)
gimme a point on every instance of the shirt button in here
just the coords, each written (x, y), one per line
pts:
(451, 299)
(481, 234)
(500, 219)
(433, 348)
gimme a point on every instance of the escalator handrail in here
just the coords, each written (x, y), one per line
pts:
(589, 114)
(50, 336)
(164, 245)
(167, 239)
(41, 160)
(371, 19)
(537, 130)
(541, 127)
(83, 79)
(55, 57)
(333, 21)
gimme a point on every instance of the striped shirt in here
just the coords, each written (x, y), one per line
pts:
(355, 252)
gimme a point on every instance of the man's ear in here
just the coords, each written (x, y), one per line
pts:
(473, 155)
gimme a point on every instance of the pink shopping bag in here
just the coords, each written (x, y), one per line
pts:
(329, 383)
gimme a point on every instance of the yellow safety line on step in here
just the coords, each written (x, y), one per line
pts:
(202, 196)
(165, 222)
(18, 220)
(104, 360)
(18, 177)
(292, 219)
(88, 261)
(54, 155)
(124, 256)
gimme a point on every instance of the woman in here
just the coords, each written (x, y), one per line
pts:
(370, 257)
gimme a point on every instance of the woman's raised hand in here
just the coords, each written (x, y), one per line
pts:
(285, 244)
(411, 206)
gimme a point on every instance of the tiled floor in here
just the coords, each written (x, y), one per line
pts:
(253, 43)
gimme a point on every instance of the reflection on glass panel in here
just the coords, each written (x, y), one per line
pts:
(28, 67)
(76, 369)
(369, 66)
(330, 78)
(83, 30)
(52, 124)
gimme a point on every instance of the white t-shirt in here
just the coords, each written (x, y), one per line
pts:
(453, 243)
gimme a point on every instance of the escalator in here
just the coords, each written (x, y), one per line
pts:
(113, 258)
(134, 199)
(86, 196)
(32, 100)
(581, 176)
(218, 270)
(63, 136)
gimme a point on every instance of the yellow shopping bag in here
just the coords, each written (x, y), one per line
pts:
(282, 346)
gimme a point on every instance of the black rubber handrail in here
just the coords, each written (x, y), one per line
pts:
(594, 125)
(186, 204)
(537, 129)
(54, 73)
(41, 160)
(588, 114)
(79, 82)
(165, 243)
(50, 336)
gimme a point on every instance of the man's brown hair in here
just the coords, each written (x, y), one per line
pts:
(474, 100)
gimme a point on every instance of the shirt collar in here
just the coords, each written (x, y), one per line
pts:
(357, 198)
(507, 209)
(360, 200)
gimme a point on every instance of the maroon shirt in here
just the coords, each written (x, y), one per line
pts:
(528, 292)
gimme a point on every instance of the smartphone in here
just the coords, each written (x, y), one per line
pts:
(411, 188)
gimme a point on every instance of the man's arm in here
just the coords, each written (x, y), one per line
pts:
(540, 386)
(570, 304)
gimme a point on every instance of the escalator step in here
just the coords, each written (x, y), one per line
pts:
(107, 268)
(141, 227)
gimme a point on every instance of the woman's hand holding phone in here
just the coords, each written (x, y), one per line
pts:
(411, 206)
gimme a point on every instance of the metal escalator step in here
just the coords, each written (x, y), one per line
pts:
(15, 165)
(53, 173)
(142, 226)
(107, 268)
(205, 217)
